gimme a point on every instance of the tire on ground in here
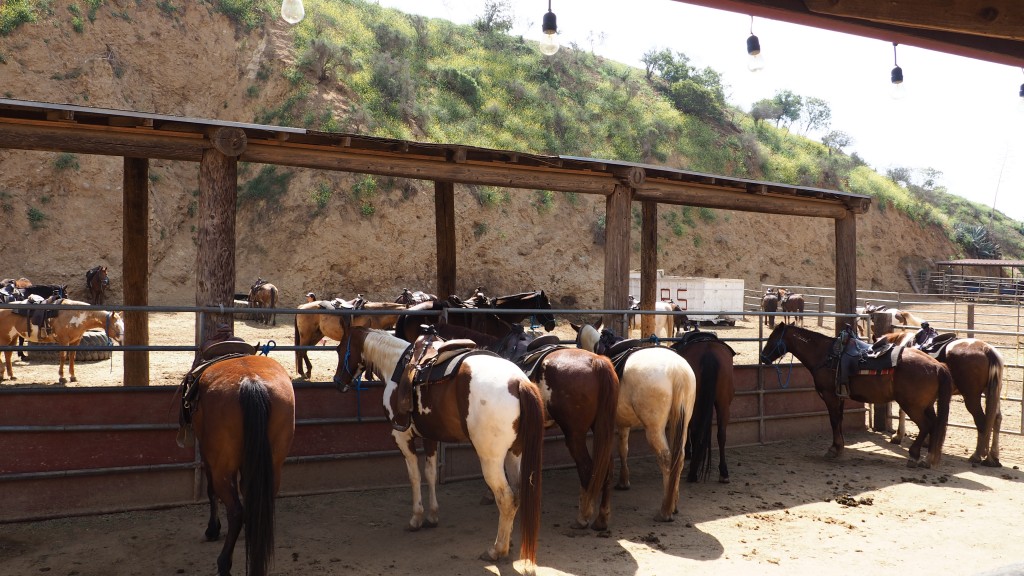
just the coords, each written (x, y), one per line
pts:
(90, 338)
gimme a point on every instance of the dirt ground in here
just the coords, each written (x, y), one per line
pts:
(787, 511)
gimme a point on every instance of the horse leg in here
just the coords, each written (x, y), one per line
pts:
(622, 433)
(835, 418)
(213, 526)
(901, 430)
(233, 509)
(577, 446)
(430, 471)
(973, 405)
(993, 454)
(495, 475)
(723, 425)
(7, 365)
(61, 380)
(71, 365)
(924, 417)
(406, 445)
(659, 445)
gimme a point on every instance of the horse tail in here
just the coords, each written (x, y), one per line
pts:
(678, 424)
(993, 393)
(531, 435)
(604, 426)
(938, 434)
(257, 476)
(273, 304)
(298, 342)
(700, 422)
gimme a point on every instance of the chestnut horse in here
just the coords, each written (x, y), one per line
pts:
(580, 391)
(96, 281)
(332, 322)
(712, 363)
(915, 384)
(242, 411)
(657, 390)
(64, 327)
(977, 369)
(263, 295)
(488, 402)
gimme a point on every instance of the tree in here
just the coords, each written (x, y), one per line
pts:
(765, 110)
(497, 17)
(836, 140)
(671, 68)
(790, 105)
(817, 114)
(900, 175)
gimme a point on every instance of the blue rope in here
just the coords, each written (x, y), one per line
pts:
(533, 322)
(655, 340)
(266, 348)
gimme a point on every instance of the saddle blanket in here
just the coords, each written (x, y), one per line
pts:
(874, 372)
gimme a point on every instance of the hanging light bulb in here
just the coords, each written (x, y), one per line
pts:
(1020, 103)
(756, 62)
(898, 90)
(549, 44)
(292, 11)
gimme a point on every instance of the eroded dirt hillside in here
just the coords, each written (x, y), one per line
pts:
(62, 215)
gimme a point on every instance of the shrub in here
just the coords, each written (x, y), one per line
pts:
(268, 186)
(36, 218)
(462, 84)
(321, 195)
(66, 161)
(14, 13)
(247, 13)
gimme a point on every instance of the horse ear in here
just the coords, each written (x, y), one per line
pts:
(575, 327)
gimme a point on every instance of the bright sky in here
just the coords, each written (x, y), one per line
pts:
(960, 116)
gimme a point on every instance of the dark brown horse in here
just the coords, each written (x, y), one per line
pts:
(790, 302)
(411, 298)
(242, 411)
(487, 401)
(581, 391)
(977, 369)
(263, 294)
(96, 281)
(770, 303)
(712, 363)
(495, 323)
(915, 384)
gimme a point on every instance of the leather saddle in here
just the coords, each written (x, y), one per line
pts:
(40, 318)
(357, 303)
(216, 349)
(937, 347)
(695, 336)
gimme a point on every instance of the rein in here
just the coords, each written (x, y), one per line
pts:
(779, 347)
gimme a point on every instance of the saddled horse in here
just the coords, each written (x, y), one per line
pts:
(96, 281)
(242, 412)
(916, 383)
(410, 298)
(487, 401)
(22, 290)
(664, 324)
(332, 323)
(496, 323)
(263, 294)
(712, 362)
(580, 391)
(770, 303)
(790, 302)
(977, 368)
(63, 327)
(657, 390)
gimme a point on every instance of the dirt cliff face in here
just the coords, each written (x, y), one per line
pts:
(62, 213)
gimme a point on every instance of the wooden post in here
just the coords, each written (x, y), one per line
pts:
(881, 324)
(616, 255)
(135, 267)
(846, 268)
(821, 310)
(215, 258)
(648, 266)
(444, 224)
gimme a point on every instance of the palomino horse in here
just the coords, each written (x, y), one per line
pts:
(977, 369)
(711, 361)
(63, 327)
(790, 302)
(263, 294)
(657, 389)
(242, 411)
(906, 318)
(332, 323)
(915, 384)
(96, 281)
(664, 324)
(580, 391)
(487, 401)
(770, 303)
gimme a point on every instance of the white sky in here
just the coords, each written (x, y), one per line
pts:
(960, 116)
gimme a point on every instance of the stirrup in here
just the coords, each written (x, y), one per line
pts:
(843, 390)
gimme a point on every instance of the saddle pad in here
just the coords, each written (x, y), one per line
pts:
(695, 336)
(619, 361)
(888, 360)
(882, 372)
(528, 364)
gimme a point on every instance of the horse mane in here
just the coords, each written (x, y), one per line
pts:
(381, 342)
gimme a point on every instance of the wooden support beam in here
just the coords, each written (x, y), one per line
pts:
(846, 267)
(444, 223)
(228, 141)
(105, 141)
(616, 256)
(992, 18)
(665, 192)
(215, 258)
(135, 267)
(648, 266)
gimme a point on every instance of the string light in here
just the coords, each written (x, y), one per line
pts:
(897, 91)
(756, 62)
(292, 11)
(549, 45)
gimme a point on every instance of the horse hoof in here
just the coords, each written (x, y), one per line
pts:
(74, 379)
(491, 556)
(723, 479)
(663, 518)
(430, 523)
(992, 463)
(62, 381)
(911, 464)
(599, 526)
(897, 440)
(622, 486)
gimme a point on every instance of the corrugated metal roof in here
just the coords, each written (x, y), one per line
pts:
(980, 262)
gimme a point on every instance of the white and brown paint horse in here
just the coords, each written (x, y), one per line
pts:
(657, 391)
(66, 328)
(977, 368)
(490, 403)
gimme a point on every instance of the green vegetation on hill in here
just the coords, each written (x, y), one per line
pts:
(405, 76)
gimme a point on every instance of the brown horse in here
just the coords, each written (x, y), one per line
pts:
(263, 295)
(915, 384)
(581, 390)
(790, 302)
(712, 363)
(242, 410)
(410, 298)
(96, 281)
(497, 323)
(977, 369)
(332, 322)
(770, 303)
(62, 327)
(487, 401)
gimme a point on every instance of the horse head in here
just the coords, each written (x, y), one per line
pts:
(775, 346)
(115, 327)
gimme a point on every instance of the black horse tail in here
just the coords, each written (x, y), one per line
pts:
(604, 426)
(700, 423)
(273, 304)
(938, 433)
(257, 476)
(531, 435)
(298, 353)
